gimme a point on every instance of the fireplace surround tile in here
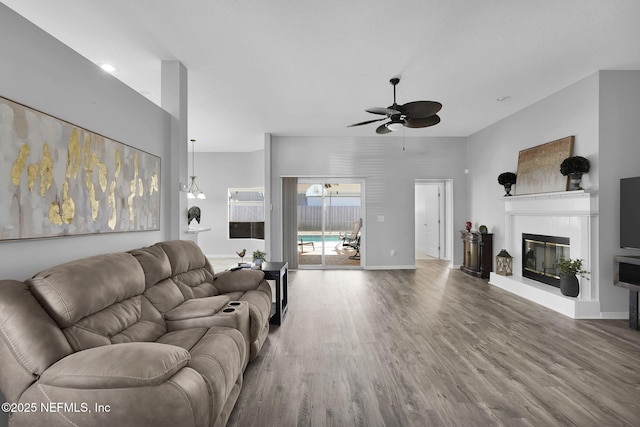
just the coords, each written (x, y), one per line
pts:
(571, 214)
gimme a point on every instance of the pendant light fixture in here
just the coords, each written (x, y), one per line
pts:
(194, 191)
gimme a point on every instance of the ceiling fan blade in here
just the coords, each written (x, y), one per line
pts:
(383, 111)
(383, 130)
(366, 123)
(419, 109)
(422, 122)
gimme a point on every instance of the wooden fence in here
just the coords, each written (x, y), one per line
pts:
(339, 218)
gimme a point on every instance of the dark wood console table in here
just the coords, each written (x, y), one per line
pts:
(478, 253)
(626, 274)
(278, 271)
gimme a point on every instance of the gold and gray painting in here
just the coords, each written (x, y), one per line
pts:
(58, 179)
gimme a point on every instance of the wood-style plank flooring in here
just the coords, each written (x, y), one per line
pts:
(435, 347)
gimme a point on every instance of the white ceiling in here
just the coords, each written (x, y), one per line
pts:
(311, 67)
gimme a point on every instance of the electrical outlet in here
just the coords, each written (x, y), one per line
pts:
(393, 252)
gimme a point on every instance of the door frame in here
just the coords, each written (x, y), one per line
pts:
(446, 215)
(341, 179)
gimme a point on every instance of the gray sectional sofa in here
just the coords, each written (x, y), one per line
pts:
(146, 337)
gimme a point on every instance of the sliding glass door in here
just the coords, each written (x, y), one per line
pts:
(329, 221)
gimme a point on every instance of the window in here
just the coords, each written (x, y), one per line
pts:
(246, 213)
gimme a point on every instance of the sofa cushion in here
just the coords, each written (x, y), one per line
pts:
(184, 255)
(97, 301)
(117, 366)
(219, 357)
(185, 338)
(155, 264)
(161, 290)
(79, 288)
(198, 307)
(196, 283)
(218, 354)
(30, 341)
(238, 281)
(190, 268)
(131, 320)
(182, 400)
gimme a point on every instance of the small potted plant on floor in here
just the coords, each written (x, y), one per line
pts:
(569, 271)
(574, 167)
(258, 257)
(507, 179)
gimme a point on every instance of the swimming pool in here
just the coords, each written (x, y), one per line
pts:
(317, 238)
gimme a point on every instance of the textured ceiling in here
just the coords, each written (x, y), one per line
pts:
(310, 67)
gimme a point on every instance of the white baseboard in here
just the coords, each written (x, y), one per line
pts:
(390, 267)
(614, 315)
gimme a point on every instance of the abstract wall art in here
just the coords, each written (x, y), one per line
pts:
(57, 179)
(539, 167)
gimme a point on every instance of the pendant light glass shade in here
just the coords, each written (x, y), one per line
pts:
(194, 191)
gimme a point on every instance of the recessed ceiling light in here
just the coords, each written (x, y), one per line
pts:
(108, 68)
(503, 98)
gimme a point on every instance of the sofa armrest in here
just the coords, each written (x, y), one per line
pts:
(239, 280)
(125, 365)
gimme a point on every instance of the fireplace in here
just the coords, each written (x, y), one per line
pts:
(541, 254)
(571, 214)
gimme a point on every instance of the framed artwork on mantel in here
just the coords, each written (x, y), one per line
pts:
(58, 179)
(539, 167)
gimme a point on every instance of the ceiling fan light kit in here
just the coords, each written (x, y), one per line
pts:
(416, 114)
(394, 126)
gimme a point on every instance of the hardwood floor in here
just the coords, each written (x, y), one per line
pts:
(435, 347)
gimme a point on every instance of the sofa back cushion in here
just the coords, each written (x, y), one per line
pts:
(161, 290)
(98, 301)
(30, 341)
(190, 269)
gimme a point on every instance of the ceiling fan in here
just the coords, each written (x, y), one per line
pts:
(416, 114)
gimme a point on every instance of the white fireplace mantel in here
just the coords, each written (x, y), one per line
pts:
(567, 214)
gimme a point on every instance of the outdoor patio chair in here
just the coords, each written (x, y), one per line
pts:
(354, 245)
(353, 237)
(302, 244)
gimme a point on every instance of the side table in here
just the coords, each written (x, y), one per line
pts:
(278, 271)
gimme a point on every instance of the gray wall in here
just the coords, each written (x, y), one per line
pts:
(619, 148)
(493, 150)
(42, 73)
(602, 112)
(216, 173)
(389, 174)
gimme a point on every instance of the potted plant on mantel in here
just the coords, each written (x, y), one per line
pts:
(574, 167)
(569, 271)
(507, 179)
(258, 257)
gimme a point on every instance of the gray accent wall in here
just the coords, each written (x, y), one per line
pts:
(389, 173)
(601, 110)
(42, 73)
(619, 157)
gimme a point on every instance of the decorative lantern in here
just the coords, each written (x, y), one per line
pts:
(504, 263)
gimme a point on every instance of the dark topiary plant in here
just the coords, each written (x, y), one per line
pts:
(506, 178)
(575, 164)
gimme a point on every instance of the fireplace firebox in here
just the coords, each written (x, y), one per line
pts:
(541, 255)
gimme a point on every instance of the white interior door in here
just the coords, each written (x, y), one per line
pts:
(428, 218)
